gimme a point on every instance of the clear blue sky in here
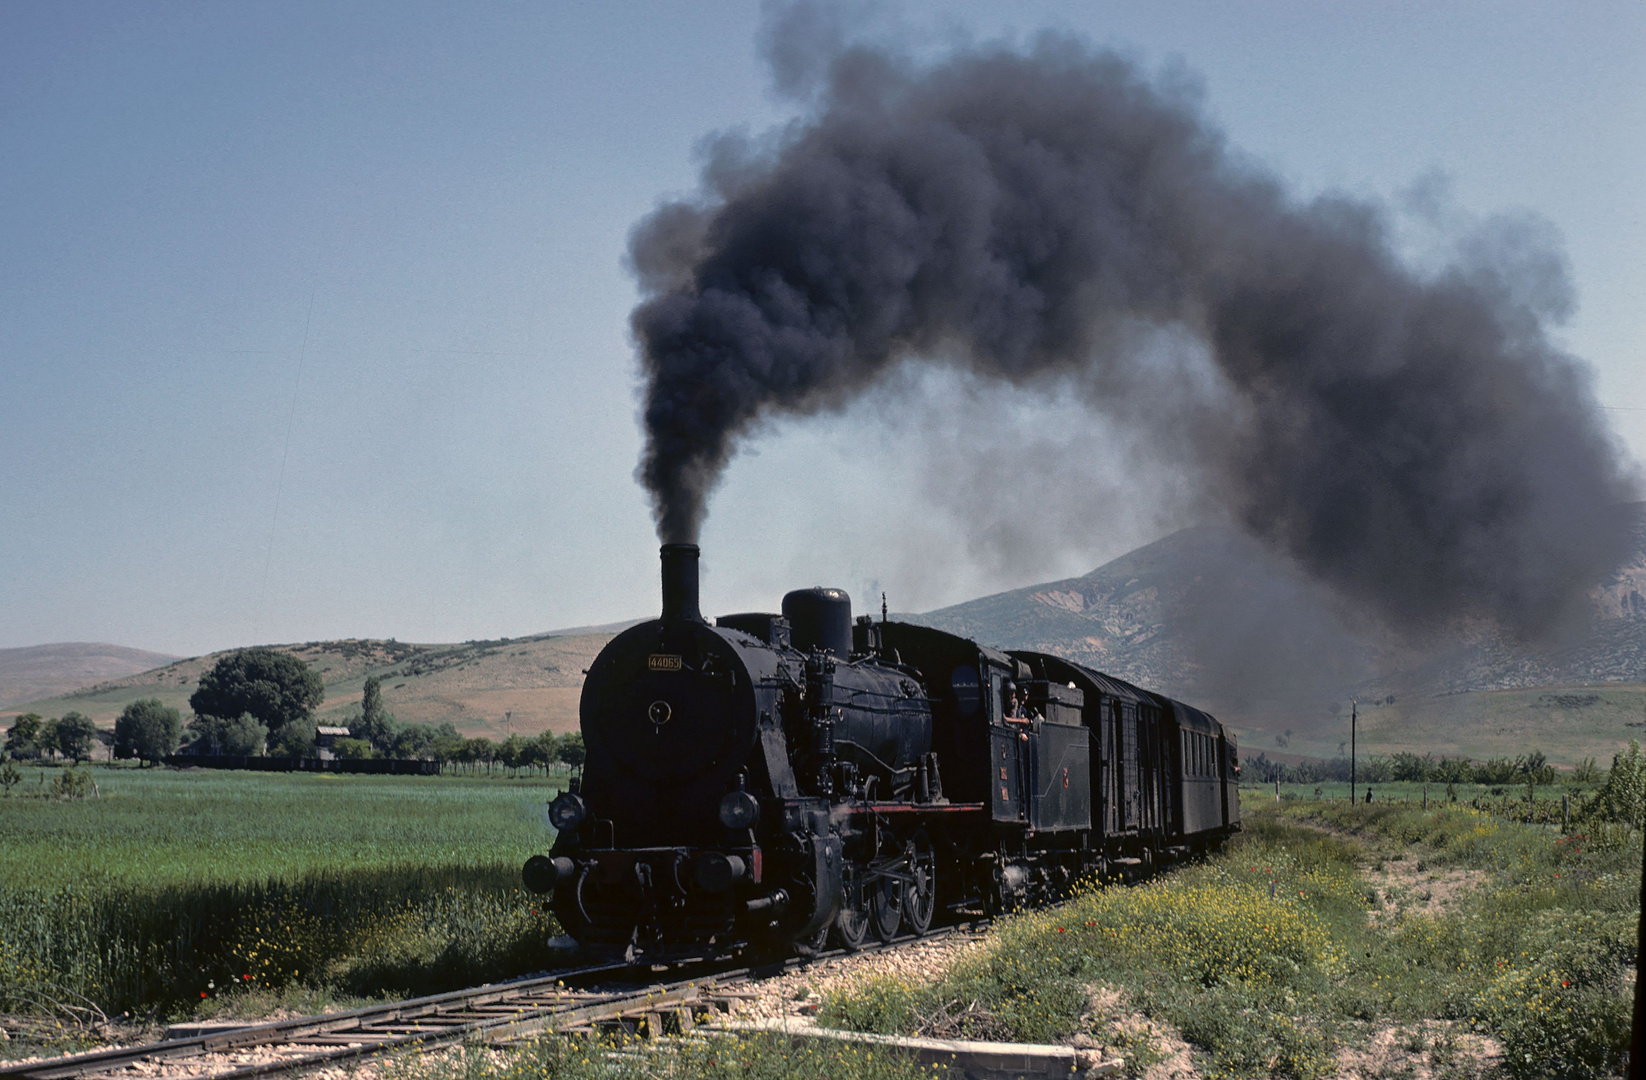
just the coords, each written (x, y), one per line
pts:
(394, 233)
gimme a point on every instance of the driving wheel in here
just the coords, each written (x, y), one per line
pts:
(920, 895)
(885, 907)
(851, 924)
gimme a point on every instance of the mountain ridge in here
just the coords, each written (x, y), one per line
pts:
(43, 671)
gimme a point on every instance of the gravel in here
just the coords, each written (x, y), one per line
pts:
(798, 993)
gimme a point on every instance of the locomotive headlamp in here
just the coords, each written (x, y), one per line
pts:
(739, 810)
(567, 812)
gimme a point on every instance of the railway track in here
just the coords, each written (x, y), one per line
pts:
(494, 1014)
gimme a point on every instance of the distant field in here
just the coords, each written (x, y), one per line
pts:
(172, 886)
(1567, 723)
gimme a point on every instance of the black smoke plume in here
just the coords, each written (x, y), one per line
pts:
(1035, 215)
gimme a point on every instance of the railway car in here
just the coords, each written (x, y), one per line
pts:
(770, 781)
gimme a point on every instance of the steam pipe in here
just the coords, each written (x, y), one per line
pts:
(680, 582)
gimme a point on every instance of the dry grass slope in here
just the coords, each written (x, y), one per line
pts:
(475, 685)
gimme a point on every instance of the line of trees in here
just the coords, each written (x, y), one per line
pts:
(375, 732)
(261, 700)
(257, 698)
(1531, 768)
(34, 737)
(442, 743)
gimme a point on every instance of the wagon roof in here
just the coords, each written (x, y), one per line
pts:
(1108, 685)
(1192, 718)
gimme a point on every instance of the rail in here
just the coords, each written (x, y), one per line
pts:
(494, 1013)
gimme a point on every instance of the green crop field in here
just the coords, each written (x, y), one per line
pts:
(165, 888)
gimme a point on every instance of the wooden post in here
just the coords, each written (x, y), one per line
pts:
(1565, 808)
(1353, 717)
(1425, 796)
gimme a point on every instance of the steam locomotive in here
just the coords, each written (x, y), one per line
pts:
(770, 782)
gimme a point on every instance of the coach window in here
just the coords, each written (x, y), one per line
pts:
(997, 711)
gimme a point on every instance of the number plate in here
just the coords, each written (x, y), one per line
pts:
(663, 662)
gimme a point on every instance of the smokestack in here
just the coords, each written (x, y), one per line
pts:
(680, 582)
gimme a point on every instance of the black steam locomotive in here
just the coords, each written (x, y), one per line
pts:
(771, 781)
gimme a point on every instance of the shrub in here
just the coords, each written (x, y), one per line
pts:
(71, 783)
(884, 1004)
(352, 748)
(1623, 796)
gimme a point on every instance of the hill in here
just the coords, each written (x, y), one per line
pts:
(489, 688)
(44, 671)
(1209, 615)
(1204, 614)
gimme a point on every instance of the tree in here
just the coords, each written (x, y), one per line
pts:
(295, 740)
(571, 749)
(276, 689)
(376, 725)
(512, 753)
(481, 751)
(425, 741)
(446, 748)
(546, 749)
(46, 741)
(10, 775)
(23, 738)
(243, 736)
(148, 730)
(75, 734)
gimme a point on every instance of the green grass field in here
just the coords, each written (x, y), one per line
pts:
(169, 888)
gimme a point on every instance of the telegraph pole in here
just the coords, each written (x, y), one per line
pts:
(1637, 1036)
(1353, 723)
